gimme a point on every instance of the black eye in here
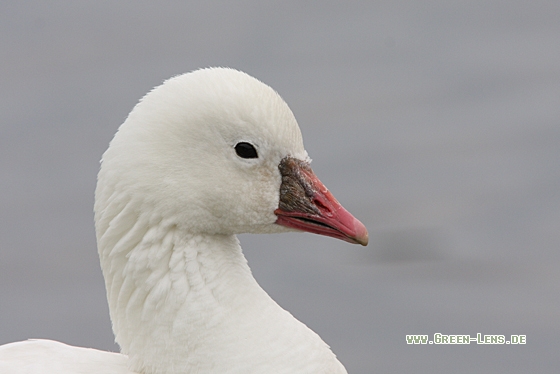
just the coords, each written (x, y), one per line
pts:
(246, 150)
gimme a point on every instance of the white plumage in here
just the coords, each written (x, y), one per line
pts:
(173, 190)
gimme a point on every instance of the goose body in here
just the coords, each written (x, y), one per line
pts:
(206, 155)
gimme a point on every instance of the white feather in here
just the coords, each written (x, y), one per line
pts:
(171, 196)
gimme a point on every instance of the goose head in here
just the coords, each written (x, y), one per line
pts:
(221, 153)
(207, 155)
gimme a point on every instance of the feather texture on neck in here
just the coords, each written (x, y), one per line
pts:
(183, 302)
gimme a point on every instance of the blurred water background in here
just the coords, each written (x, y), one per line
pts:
(437, 123)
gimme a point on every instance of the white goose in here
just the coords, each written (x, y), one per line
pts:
(202, 157)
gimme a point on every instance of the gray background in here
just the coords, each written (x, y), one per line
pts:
(437, 123)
